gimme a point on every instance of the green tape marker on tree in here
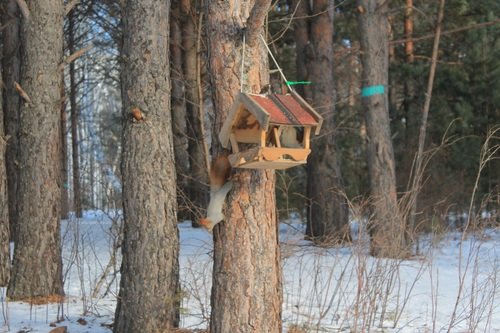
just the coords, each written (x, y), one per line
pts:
(292, 83)
(372, 90)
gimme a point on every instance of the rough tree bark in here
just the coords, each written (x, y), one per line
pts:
(246, 288)
(149, 289)
(328, 213)
(11, 64)
(387, 230)
(37, 266)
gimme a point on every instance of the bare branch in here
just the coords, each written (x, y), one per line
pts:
(69, 6)
(75, 56)
(24, 9)
(22, 93)
(447, 32)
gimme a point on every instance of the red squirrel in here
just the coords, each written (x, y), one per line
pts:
(219, 187)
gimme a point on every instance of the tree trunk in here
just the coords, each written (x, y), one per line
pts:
(408, 31)
(179, 127)
(4, 208)
(419, 168)
(64, 154)
(246, 288)
(387, 230)
(198, 189)
(11, 64)
(149, 288)
(328, 213)
(37, 266)
(75, 155)
(301, 37)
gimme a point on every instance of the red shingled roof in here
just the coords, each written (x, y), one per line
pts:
(284, 109)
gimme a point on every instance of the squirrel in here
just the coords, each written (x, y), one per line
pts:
(219, 188)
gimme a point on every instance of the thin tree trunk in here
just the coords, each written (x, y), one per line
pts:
(417, 177)
(64, 154)
(301, 37)
(4, 208)
(409, 31)
(11, 65)
(410, 124)
(198, 189)
(179, 115)
(149, 289)
(387, 230)
(328, 213)
(37, 266)
(246, 288)
(75, 155)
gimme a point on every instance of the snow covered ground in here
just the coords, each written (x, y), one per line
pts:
(453, 287)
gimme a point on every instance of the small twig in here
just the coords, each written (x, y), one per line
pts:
(22, 93)
(24, 9)
(69, 6)
(447, 32)
(75, 56)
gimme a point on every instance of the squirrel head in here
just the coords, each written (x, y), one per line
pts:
(206, 223)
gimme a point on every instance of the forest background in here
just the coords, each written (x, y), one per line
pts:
(460, 177)
(463, 111)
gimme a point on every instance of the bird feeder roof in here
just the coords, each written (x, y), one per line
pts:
(290, 110)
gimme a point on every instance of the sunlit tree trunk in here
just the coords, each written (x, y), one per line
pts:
(149, 289)
(37, 266)
(11, 65)
(387, 230)
(246, 288)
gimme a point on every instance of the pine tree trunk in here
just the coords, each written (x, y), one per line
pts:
(246, 288)
(198, 190)
(328, 213)
(11, 64)
(387, 230)
(37, 266)
(4, 208)
(301, 37)
(64, 155)
(179, 127)
(75, 155)
(149, 290)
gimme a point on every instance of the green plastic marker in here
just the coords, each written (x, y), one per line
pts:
(293, 83)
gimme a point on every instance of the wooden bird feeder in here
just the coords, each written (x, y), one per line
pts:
(269, 131)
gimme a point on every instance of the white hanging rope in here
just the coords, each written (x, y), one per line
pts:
(242, 63)
(275, 62)
(272, 57)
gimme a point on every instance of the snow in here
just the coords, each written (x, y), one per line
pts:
(454, 286)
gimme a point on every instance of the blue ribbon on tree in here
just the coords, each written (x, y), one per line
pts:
(372, 90)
